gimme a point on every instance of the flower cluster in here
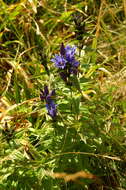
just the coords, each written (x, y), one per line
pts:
(67, 65)
(50, 104)
(66, 62)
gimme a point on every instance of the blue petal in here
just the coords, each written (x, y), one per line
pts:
(70, 52)
(46, 91)
(52, 111)
(59, 61)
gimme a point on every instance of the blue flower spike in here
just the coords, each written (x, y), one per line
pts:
(50, 104)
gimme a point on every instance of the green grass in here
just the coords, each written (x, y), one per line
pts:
(88, 137)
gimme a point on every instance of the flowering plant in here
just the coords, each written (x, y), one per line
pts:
(66, 62)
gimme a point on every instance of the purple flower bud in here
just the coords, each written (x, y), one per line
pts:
(44, 93)
(48, 97)
(62, 50)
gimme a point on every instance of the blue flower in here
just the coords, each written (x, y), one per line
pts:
(44, 93)
(70, 53)
(66, 62)
(48, 97)
(59, 61)
(51, 107)
(67, 55)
